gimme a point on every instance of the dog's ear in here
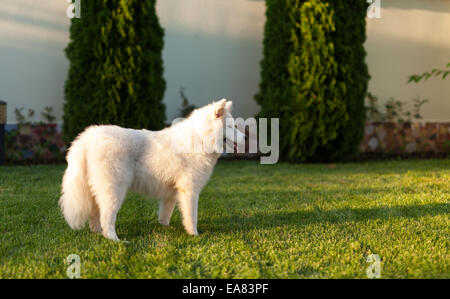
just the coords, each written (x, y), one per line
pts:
(229, 106)
(219, 108)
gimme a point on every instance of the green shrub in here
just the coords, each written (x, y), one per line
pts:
(116, 68)
(314, 77)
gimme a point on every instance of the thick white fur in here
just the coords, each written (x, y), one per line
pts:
(104, 162)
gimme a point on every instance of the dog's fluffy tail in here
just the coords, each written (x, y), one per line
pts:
(75, 201)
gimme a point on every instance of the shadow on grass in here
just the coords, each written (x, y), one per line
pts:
(387, 167)
(138, 227)
(144, 223)
(306, 193)
(302, 218)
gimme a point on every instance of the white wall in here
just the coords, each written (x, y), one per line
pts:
(410, 38)
(213, 49)
(33, 67)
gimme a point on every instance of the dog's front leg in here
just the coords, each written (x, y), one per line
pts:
(188, 204)
(166, 207)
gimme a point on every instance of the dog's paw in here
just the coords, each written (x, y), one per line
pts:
(164, 222)
(95, 228)
(112, 236)
(192, 232)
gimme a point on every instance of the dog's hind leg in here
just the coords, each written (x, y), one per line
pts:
(109, 202)
(166, 207)
(188, 204)
(94, 219)
(108, 215)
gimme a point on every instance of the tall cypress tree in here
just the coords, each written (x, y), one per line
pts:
(314, 76)
(348, 40)
(116, 67)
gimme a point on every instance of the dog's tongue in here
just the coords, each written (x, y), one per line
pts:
(235, 147)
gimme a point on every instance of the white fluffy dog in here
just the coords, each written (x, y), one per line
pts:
(104, 162)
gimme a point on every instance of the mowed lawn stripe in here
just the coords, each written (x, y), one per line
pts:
(255, 221)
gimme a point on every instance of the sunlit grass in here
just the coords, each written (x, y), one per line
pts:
(255, 221)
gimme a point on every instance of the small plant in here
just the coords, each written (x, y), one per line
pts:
(186, 107)
(372, 110)
(418, 103)
(428, 75)
(47, 115)
(394, 110)
(22, 119)
(26, 120)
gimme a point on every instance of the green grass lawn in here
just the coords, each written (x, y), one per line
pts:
(255, 221)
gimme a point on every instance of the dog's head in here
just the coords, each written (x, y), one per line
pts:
(216, 128)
